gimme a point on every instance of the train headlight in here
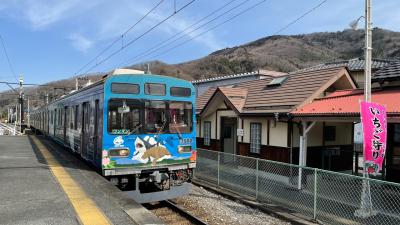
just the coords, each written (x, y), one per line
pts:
(119, 152)
(184, 149)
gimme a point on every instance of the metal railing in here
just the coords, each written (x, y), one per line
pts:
(6, 129)
(325, 196)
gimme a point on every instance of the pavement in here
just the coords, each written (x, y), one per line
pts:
(42, 183)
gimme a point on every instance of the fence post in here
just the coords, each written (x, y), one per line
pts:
(219, 157)
(315, 193)
(256, 178)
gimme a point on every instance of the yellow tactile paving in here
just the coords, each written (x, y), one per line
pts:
(86, 209)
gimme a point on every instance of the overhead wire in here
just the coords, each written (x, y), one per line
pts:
(236, 15)
(217, 25)
(8, 58)
(119, 37)
(140, 36)
(182, 33)
(300, 17)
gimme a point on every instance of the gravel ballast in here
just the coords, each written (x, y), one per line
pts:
(216, 209)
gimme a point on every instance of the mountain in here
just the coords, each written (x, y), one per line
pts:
(281, 53)
(284, 53)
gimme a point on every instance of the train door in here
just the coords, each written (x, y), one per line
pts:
(93, 129)
(85, 129)
(54, 122)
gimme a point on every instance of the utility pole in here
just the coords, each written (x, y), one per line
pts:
(368, 51)
(21, 102)
(366, 209)
(29, 115)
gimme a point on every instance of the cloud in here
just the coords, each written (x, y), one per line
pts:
(80, 42)
(43, 13)
(103, 20)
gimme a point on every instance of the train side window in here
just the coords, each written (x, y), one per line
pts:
(76, 117)
(180, 92)
(55, 117)
(71, 117)
(154, 89)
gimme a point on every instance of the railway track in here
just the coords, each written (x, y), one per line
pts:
(173, 214)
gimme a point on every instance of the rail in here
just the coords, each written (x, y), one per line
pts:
(171, 213)
(193, 219)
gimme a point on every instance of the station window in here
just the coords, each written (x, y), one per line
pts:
(180, 92)
(207, 133)
(125, 88)
(154, 89)
(255, 138)
(330, 133)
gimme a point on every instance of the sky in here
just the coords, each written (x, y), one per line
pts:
(49, 40)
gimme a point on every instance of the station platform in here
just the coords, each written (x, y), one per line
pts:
(42, 183)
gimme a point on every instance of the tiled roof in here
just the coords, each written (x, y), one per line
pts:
(237, 96)
(356, 64)
(348, 103)
(390, 72)
(297, 88)
(203, 99)
(224, 77)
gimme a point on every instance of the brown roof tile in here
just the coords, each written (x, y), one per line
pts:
(295, 90)
(237, 96)
(256, 97)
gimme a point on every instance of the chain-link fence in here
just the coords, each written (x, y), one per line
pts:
(325, 196)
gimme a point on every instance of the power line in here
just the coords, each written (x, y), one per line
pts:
(8, 58)
(120, 37)
(41, 85)
(299, 18)
(219, 24)
(140, 36)
(233, 17)
(164, 43)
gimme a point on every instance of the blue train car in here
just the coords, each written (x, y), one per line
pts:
(137, 129)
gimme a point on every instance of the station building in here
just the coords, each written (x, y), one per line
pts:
(271, 117)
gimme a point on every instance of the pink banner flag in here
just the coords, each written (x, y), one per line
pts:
(373, 117)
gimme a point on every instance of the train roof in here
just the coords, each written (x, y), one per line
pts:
(115, 73)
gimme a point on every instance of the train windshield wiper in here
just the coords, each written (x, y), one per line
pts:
(177, 131)
(135, 129)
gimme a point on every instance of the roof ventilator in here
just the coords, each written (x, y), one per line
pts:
(277, 81)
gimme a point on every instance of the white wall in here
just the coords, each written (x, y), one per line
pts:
(343, 133)
(315, 136)
(279, 134)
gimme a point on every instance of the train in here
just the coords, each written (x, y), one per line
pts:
(136, 129)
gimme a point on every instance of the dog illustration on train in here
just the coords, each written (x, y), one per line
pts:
(149, 150)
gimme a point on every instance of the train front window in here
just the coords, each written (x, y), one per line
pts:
(180, 117)
(155, 117)
(124, 116)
